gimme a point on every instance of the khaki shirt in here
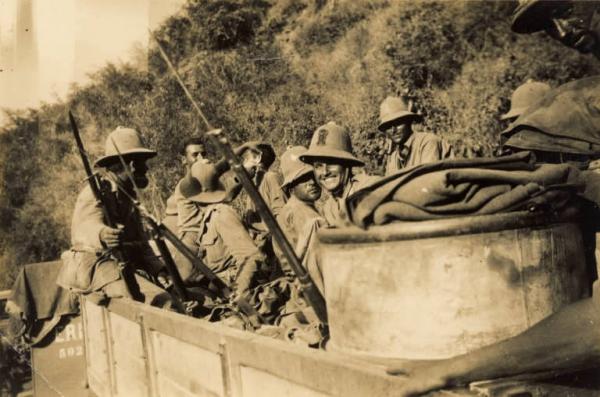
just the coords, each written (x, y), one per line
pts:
(334, 208)
(293, 218)
(270, 190)
(419, 148)
(87, 251)
(300, 222)
(182, 215)
(225, 240)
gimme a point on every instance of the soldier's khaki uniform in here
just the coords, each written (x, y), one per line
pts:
(89, 266)
(334, 209)
(419, 148)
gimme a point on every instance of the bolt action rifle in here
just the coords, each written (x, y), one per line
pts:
(160, 233)
(309, 289)
(100, 191)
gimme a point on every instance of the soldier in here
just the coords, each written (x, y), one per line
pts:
(330, 154)
(217, 233)
(569, 338)
(576, 24)
(193, 150)
(269, 187)
(524, 96)
(90, 265)
(184, 215)
(299, 218)
(404, 147)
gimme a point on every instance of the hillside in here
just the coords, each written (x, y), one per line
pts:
(274, 70)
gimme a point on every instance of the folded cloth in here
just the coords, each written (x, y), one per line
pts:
(37, 298)
(462, 187)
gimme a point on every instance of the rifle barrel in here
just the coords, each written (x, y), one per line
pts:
(312, 294)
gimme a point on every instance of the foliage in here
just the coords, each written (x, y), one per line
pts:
(274, 71)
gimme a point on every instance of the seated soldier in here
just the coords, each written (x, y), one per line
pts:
(330, 154)
(568, 339)
(183, 217)
(524, 96)
(267, 181)
(299, 218)
(193, 150)
(218, 233)
(91, 265)
(406, 148)
(269, 187)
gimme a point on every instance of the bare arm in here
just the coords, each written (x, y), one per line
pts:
(569, 338)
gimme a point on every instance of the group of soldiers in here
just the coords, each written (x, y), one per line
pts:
(238, 247)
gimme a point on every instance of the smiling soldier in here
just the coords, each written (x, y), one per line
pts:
(330, 154)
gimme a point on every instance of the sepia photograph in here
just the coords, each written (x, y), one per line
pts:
(304, 198)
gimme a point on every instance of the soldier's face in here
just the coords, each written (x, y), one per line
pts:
(331, 176)
(139, 170)
(251, 160)
(576, 25)
(307, 189)
(194, 153)
(399, 133)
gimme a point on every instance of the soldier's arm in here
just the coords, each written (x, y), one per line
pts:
(87, 221)
(433, 149)
(235, 236)
(273, 193)
(567, 339)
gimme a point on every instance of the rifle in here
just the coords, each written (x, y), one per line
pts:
(99, 192)
(181, 295)
(160, 232)
(307, 286)
(309, 290)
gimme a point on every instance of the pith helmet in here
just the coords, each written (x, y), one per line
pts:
(129, 142)
(291, 166)
(533, 15)
(204, 184)
(331, 141)
(395, 110)
(524, 96)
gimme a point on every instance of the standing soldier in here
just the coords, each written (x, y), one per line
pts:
(91, 264)
(404, 147)
(330, 154)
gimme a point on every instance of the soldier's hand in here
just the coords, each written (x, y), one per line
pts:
(190, 307)
(111, 237)
(164, 280)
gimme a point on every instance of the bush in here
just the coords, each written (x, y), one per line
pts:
(273, 71)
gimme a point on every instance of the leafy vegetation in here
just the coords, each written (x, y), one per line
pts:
(274, 70)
